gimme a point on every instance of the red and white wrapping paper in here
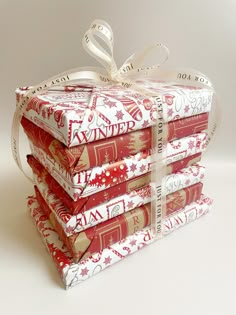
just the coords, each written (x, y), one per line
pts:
(103, 196)
(74, 273)
(85, 156)
(96, 238)
(99, 178)
(90, 114)
(80, 114)
(72, 224)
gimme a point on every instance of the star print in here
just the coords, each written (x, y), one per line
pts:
(142, 168)
(170, 112)
(133, 242)
(107, 260)
(186, 109)
(130, 204)
(133, 167)
(84, 272)
(111, 104)
(145, 124)
(119, 115)
(191, 144)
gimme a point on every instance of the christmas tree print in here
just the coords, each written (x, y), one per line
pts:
(134, 142)
(111, 175)
(138, 141)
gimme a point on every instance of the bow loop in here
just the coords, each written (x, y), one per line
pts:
(134, 65)
(103, 31)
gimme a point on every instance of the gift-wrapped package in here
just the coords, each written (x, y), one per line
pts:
(74, 273)
(99, 178)
(86, 156)
(97, 238)
(90, 114)
(110, 208)
(115, 156)
(188, 176)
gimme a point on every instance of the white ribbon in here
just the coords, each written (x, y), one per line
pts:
(132, 69)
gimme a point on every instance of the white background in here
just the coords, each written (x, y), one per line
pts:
(193, 270)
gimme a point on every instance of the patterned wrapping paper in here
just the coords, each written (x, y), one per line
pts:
(97, 238)
(83, 157)
(75, 273)
(99, 178)
(189, 177)
(94, 239)
(72, 224)
(87, 115)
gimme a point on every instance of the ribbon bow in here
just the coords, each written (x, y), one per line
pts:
(133, 66)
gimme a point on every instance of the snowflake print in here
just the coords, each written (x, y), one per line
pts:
(191, 144)
(119, 114)
(110, 104)
(133, 167)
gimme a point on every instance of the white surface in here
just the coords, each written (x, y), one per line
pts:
(192, 271)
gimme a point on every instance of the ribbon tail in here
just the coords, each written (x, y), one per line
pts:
(15, 143)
